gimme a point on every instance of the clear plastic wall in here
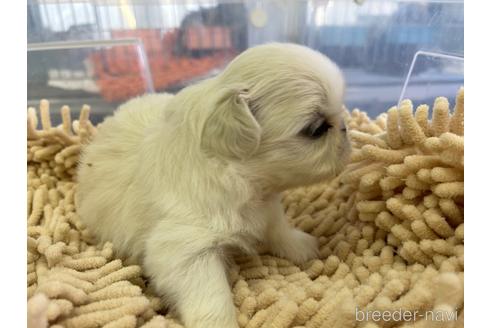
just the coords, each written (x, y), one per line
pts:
(105, 52)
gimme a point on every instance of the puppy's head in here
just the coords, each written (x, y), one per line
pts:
(278, 109)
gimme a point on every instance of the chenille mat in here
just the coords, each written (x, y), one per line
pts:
(390, 227)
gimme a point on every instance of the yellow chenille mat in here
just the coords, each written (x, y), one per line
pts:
(390, 227)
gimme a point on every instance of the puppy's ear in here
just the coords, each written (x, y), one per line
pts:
(230, 129)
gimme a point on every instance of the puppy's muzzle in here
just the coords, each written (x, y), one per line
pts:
(343, 127)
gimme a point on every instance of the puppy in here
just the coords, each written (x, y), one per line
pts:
(176, 181)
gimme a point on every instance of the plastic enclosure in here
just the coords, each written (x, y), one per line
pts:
(78, 70)
(444, 78)
(375, 42)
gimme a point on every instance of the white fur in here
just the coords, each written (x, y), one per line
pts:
(176, 181)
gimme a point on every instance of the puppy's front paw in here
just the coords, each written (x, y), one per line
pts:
(299, 247)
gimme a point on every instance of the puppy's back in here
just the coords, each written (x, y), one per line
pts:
(107, 195)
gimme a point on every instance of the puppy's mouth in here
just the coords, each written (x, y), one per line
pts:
(344, 150)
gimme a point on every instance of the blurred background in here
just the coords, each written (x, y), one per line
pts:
(104, 52)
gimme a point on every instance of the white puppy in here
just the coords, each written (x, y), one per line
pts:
(177, 181)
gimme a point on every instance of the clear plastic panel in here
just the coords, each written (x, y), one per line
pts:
(97, 73)
(373, 41)
(432, 74)
(376, 41)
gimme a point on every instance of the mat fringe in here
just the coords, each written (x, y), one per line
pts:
(391, 230)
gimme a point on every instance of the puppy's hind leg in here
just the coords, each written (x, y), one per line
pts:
(190, 273)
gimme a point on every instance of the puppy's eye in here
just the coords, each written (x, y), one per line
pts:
(316, 130)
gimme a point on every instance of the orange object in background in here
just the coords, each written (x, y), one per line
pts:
(118, 71)
(208, 38)
(151, 38)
